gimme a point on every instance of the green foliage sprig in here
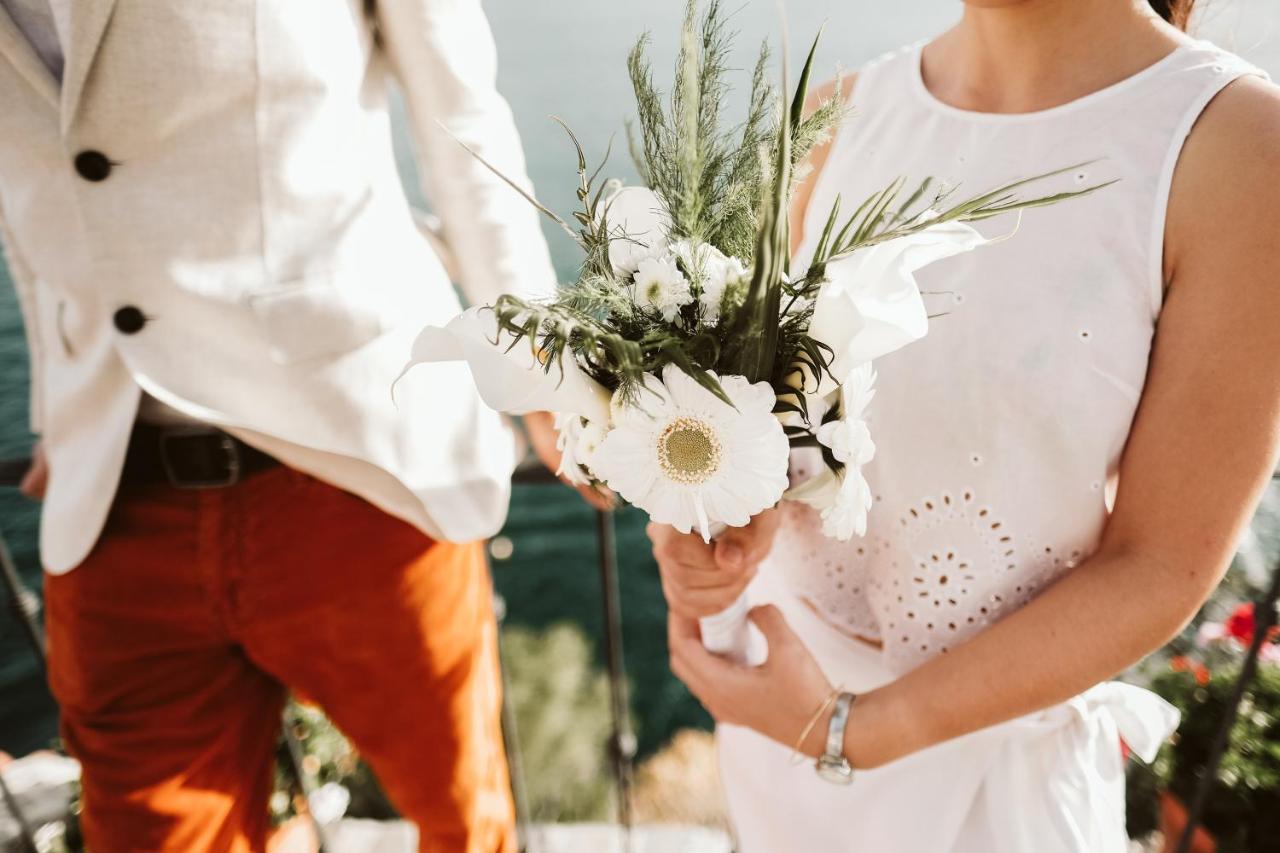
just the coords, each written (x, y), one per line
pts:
(887, 216)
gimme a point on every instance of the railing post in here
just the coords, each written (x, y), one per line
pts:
(1265, 618)
(622, 746)
(26, 608)
(25, 605)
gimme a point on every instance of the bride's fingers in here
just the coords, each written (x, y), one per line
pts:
(683, 645)
(721, 686)
(684, 642)
(772, 624)
(682, 629)
(745, 547)
(700, 577)
(695, 603)
(670, 545)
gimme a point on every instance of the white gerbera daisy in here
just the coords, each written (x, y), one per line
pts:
(660, 286)
(690, 460)
(577, 440)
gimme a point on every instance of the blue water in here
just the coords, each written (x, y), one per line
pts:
(564, 57)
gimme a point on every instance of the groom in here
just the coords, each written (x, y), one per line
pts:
(220, 278)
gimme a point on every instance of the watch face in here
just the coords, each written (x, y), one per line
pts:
(835, 770)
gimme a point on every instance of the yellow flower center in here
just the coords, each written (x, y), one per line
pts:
(688, 451)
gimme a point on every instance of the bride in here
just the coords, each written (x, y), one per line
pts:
(1065, 462)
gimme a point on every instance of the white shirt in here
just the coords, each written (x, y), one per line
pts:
(234, 183)
(46, 24)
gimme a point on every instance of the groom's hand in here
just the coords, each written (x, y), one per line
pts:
(700, 579)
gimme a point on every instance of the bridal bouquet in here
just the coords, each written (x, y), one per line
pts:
(690, 356)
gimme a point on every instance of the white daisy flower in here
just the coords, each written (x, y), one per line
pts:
(696, 257)
(844, 500)
(848, 437)
(850, 441)
(660, 286)
(712, 271)
(577, 440)
(690, 460)
(730, 271)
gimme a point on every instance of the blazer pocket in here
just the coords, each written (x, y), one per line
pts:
(311, 320)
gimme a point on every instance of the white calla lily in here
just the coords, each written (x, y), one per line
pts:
(871, 304)
(510, 378)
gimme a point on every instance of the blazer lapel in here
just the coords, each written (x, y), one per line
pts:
(88, 22)
(15, 47)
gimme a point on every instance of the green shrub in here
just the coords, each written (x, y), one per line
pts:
(1243, 807)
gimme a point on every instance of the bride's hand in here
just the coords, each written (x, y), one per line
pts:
(777, 699)
(700, 579)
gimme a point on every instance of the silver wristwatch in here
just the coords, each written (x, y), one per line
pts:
(832, 765)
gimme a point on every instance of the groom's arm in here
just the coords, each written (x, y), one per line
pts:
(443, 54)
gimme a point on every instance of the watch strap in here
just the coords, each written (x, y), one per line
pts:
(835, 729)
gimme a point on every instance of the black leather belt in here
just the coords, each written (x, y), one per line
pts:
(190, 457)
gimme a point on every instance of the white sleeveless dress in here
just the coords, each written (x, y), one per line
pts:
(998, 440)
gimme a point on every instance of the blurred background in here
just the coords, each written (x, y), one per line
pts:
(567, 57)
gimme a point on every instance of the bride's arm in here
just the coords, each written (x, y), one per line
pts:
(1202, 448)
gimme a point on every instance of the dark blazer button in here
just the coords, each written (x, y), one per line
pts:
(93, 165)
(129, 320)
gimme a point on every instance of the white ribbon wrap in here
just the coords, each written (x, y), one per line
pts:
(730, 633)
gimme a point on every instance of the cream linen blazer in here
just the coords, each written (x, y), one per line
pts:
(207, 208)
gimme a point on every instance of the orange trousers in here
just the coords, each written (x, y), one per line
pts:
(172, 646)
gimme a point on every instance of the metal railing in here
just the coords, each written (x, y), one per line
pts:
(622, 740)
(25, 606)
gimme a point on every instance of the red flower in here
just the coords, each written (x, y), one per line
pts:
(1202, 674)
(1180, 664)
(1241, 623)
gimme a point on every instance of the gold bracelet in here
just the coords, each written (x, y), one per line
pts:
(796, 757)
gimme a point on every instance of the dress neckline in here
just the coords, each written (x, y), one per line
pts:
(933, 102)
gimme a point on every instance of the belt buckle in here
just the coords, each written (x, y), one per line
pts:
(206, 472)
